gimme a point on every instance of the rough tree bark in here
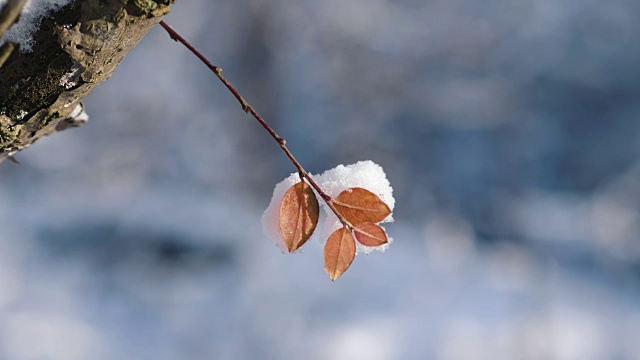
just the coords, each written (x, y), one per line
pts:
(76, 48)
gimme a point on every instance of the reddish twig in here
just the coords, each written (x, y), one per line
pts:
(249, 109)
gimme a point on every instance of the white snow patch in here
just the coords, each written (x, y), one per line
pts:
(79, 114)
(30, 18)
(22, 114)
(364, 174)
(71, 79)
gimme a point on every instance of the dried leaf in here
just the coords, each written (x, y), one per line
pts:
(370, 234)
(299, 212)
(339, 252)
(359, 205)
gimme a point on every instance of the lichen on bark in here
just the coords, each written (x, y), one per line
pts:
(76, 48)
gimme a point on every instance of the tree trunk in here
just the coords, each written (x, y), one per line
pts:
(76, 48)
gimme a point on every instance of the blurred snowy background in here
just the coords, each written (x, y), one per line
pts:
(510, 131)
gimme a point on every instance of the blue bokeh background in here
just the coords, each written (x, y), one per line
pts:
(510, 133)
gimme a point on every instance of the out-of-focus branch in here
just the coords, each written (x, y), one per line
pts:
(5, 51)
(10, 13)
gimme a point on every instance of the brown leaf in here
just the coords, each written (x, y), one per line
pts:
(299, 213)
(339, 252)
(359, 205)
(370, 234)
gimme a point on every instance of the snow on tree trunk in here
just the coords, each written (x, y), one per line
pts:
(75, 47)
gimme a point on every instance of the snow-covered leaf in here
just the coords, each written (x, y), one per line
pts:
(299, 212)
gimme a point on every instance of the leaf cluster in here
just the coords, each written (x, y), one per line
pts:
(359, 211)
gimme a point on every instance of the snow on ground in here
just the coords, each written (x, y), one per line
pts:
(127, 279)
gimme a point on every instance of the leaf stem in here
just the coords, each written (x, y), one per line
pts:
(249, 109)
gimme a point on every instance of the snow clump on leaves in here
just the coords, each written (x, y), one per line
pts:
(364, 174)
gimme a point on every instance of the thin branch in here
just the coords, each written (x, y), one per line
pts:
(249, 109)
